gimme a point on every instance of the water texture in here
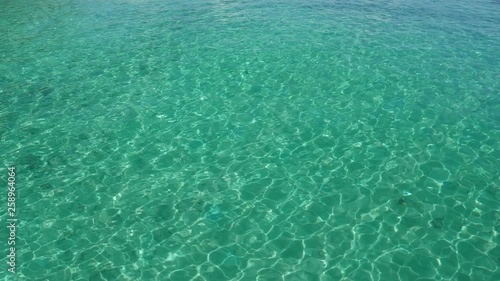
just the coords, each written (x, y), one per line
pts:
(252, 140)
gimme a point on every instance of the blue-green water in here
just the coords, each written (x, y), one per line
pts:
(252, 140)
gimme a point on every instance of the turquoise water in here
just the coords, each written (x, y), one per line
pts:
(252, 140)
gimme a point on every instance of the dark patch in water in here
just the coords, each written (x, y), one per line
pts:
(161, 234)
(31, 161)
(438, 223)
(46, 90)
(402, 201)
(165, 212)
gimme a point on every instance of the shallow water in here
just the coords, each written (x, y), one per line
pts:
(252, 140)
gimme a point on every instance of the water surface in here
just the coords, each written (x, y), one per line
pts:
(252, 140)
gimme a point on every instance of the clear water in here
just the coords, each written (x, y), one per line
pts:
(252, 140)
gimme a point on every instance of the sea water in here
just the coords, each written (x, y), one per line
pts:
(252, 140)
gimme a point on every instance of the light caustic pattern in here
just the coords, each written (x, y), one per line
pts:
(262, 140)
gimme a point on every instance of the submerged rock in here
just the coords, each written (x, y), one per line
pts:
(438, 223)
(402, 201)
